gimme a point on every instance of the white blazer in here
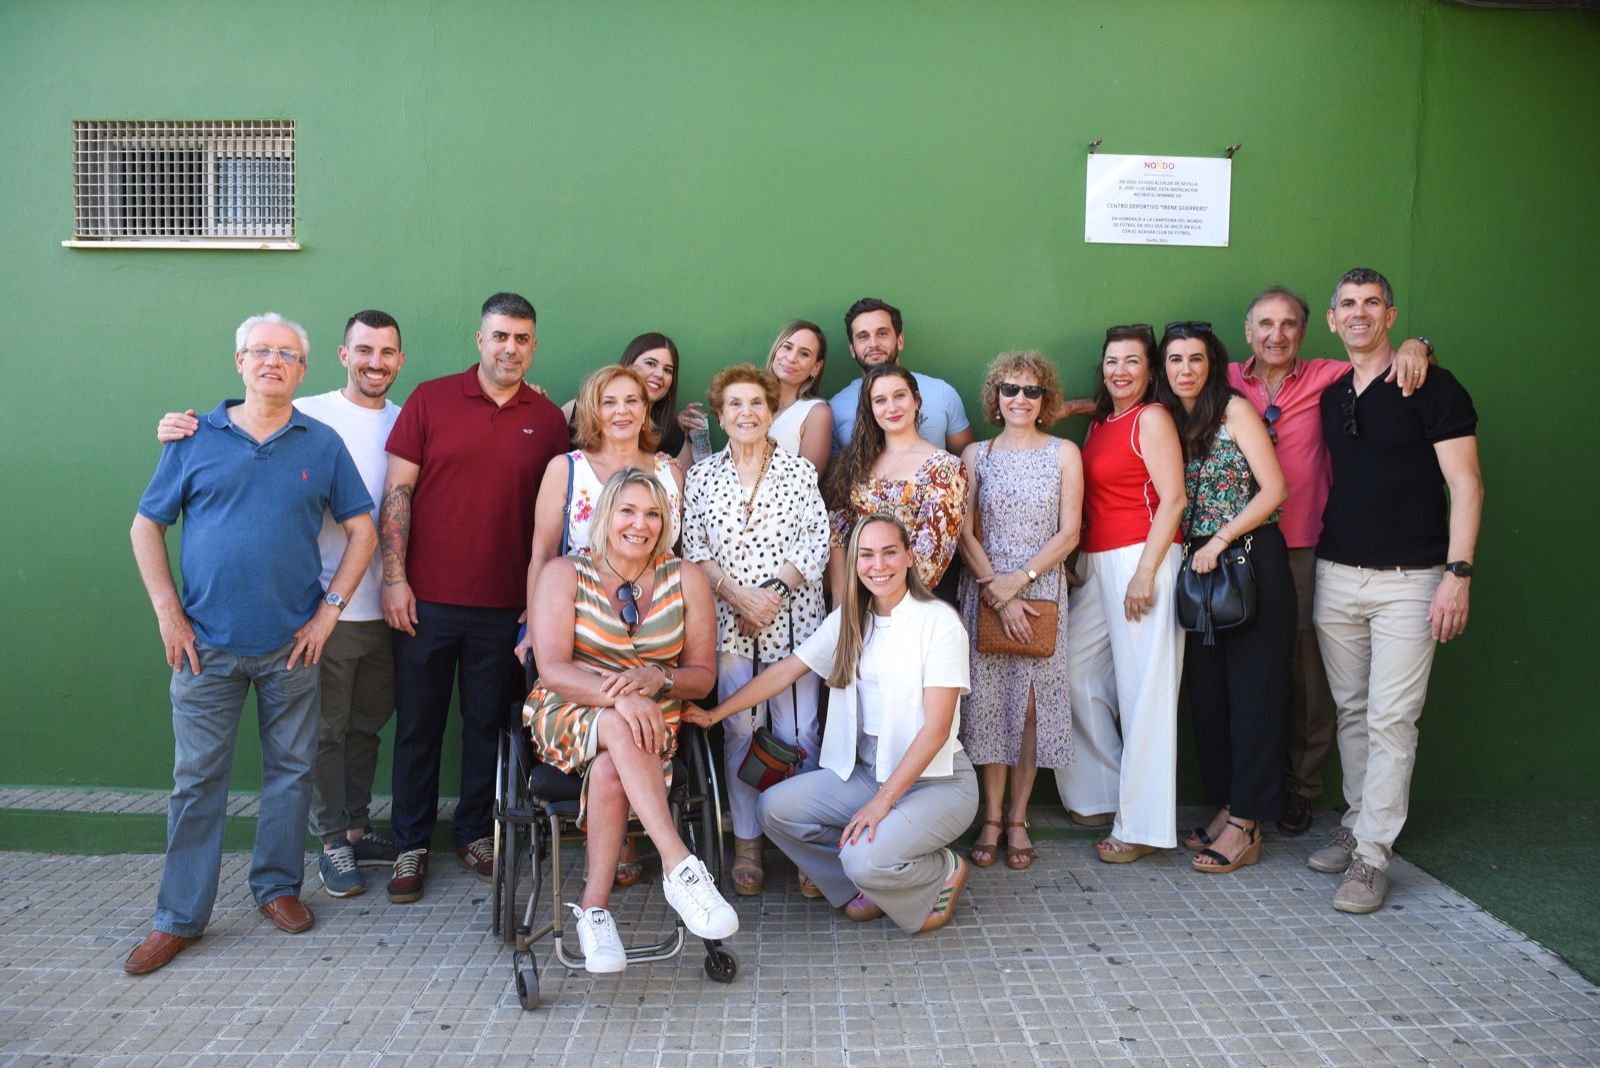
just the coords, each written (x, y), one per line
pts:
(929, 648)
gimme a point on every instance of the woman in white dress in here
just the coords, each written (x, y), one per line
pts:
(803, 423)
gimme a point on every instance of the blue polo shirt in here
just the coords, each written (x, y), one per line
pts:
(250, 569)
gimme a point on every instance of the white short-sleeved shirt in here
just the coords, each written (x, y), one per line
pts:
(364, 431)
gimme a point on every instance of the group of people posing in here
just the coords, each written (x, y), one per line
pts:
(650, 571)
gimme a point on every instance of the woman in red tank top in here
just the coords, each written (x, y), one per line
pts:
(1125, 649)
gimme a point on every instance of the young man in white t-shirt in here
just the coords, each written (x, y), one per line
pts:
(357, 664)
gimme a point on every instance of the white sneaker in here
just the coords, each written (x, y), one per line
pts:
(597, 937)
(690, 891)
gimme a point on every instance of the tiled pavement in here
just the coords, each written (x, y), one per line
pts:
(1071, 962)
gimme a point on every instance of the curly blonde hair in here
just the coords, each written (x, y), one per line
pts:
(1026, 362)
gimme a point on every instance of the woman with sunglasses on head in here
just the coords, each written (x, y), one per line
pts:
(1124, 648)
(1238, 684)
(873, 825)
(623, 636)
(1024, 506)
(803, 423)
(756, 525)
(613, 433)
(655, 358)
(888, 467)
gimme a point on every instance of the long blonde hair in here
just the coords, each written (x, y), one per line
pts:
(856, 605)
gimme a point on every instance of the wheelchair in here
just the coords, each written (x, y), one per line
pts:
(535, 814)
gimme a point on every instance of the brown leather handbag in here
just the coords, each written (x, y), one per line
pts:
(992, 636)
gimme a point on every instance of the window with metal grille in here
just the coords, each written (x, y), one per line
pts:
(226, 184)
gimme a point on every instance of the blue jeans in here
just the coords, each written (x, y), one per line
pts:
(205, 726)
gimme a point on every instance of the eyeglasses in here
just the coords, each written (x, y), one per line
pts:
(263, 353)
(628, 594)
(1011, 389)
(1272, 415)
(1196, 325)
(1351, 428)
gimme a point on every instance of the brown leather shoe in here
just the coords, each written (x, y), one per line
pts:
(289, 913)
(156, 951)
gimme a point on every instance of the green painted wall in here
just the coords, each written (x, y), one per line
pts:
(711, 169)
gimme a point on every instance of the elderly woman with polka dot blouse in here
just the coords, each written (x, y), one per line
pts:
(755, 522)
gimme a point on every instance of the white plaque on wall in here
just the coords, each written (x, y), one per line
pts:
(1157, 200)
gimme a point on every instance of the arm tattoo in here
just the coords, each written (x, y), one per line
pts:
(395, 520)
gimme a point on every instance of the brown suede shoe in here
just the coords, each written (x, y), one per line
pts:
(156, 952)
(289, 913)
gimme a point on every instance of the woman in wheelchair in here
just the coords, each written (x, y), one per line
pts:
(872, 826)
(624, 632)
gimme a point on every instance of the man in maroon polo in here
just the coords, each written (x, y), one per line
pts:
(456, 522)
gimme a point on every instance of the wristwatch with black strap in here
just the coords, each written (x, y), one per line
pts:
(1459, 568)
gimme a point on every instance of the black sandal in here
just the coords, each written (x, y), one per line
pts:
(1247, 856)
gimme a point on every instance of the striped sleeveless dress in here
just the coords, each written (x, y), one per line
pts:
(563, 733)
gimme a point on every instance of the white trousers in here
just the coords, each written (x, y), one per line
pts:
(1124, 672)
(1377, 646)
(796, 705)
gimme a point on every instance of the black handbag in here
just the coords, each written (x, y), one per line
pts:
(1220, 599)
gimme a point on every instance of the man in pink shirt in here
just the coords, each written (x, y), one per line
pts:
(1285, 390)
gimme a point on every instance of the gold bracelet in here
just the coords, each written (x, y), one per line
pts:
(717, 589)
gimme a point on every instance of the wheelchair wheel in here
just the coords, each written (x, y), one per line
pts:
(501, 801)
(528, 987)
(702, 814)
(721, 965)
(513, 844)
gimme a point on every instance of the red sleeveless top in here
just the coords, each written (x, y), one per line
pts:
(1119, 500)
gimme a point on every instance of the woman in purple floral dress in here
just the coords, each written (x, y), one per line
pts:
(1024, 505)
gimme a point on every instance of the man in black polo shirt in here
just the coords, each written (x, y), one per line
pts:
(1394, 566)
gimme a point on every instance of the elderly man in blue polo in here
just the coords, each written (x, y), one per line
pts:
(251, 487)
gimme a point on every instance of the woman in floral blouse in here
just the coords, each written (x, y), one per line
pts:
(1238, 686)
(887, 467)
(754, 521)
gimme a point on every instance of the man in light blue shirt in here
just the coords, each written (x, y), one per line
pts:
(876, 335)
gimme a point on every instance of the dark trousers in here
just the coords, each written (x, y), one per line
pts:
(471, 647)
(1239, 688)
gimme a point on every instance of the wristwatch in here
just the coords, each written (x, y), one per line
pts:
(334, 599)
(1459, 568)
(777, 585)
(1033, 576)
(667, 681)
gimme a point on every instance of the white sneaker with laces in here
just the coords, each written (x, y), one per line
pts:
(597, 937)
(690, 892)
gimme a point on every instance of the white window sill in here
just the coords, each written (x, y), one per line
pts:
(245, 243)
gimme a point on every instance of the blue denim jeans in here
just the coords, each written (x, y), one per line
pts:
(205, 725)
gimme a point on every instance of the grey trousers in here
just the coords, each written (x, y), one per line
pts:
(902, 868)
(357, 700)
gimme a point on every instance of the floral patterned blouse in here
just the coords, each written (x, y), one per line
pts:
(930, 503)
(586, 487)
(788, 522)
(1219, 485)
